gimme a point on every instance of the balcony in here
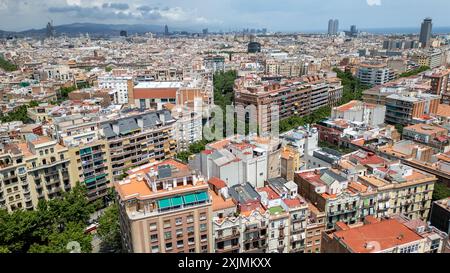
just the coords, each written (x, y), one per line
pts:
(228, 248)
(54, 190)
(220, 238)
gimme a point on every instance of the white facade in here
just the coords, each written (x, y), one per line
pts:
(118, 85)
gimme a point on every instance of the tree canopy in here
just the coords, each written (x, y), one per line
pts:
(51, 227)
(7, 65)
(109, 230)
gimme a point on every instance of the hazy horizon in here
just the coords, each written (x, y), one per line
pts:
(225, 15)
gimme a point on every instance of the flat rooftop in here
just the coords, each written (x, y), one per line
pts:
(159, 85)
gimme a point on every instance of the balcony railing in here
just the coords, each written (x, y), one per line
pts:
(228, 248)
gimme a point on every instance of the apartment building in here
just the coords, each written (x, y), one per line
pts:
(382, 236)
(188, 127)
(88, 152)
(402, 109)
(290, 162)
(440, 214)
(366, 113)
(238, 160)
(254, 218)
(431, 135)
(328, 191)
(439, 81)
(432, 58)
(31, 170)
(374, 73)
(438, 165)
(214, 63)
(136, 138)
(281, 196)
(315, 225)
(303, 139)
(286, 67)
(401, 189)
(292, 97)
(165, 207)
(225, 217)
(120, 86)
(195, 91)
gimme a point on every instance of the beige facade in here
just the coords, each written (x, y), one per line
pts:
(165, 208)
(33, 170)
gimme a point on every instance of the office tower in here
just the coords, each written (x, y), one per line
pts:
(166, 30)
(353, 31)
(333, 26)
(330, 27)
(205, 31)
(50, 30)
(123, 33)
(425, 32)
(165, 208)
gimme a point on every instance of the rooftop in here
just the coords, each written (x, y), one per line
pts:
(387, 234)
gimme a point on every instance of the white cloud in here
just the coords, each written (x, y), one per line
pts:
(374, 2)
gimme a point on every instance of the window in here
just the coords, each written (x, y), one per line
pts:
(154, 238)
(179, 232)
(204, 238)
(180, 243)
(202, 216)
(190, 219)
(168, 246)
(167, 235)
(191, 241)
(190, 230)
(155, 249)
(152, 226)
(167, 224)
(179, 221)
(204, 249)
(202, 227)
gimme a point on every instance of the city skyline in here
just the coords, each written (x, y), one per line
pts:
(225, 15)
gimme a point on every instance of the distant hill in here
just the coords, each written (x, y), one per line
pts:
(91, 28)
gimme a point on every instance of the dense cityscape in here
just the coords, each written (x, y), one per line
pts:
(106, 147)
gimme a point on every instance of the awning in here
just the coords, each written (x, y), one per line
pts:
(164, 203)
(202, 196)
(189, 198)
(177, 201)
(89, 180)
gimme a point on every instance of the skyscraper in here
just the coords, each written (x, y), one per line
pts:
(330, 27)
(50, 30)
(336, 26)
(425, 32)
(166, 30)
(333, 26)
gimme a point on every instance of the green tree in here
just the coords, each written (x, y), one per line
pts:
(414, 71)
(441, 191)
(7, 65)
(109, 230)
(61, 241)
(50, 227)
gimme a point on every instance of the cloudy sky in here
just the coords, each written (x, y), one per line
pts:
(276, 15)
